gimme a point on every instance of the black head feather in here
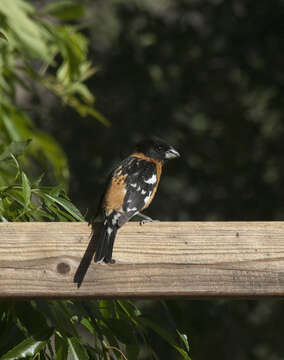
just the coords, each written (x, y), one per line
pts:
(157, 149)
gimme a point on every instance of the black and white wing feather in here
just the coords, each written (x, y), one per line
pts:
(140, 183)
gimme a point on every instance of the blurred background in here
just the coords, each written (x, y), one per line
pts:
(207, 76)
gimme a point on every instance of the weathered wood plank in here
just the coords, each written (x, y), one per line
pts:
(168, 259)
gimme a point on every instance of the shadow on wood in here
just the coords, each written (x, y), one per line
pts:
(88, 255)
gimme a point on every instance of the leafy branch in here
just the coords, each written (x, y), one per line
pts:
(43, 53)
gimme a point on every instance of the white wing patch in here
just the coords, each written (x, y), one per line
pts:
(115, 218)
(132, 209)
(151, 180)
(147, 198)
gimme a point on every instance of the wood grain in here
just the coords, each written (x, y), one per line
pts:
(167, 259)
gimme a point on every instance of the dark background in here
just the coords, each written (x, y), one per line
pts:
(207, 76)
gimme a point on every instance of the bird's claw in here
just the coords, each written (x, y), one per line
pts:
(103, 262)
(145, 221)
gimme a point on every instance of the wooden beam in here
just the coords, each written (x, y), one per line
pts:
(167, 259)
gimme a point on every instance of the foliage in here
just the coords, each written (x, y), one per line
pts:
(53, 329)
(38, 51)
(24, 200)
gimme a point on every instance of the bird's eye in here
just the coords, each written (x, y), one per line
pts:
(160, 147)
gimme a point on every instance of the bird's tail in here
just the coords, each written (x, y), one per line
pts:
(105, 240)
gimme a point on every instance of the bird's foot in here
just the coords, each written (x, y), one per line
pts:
(145, 221)
(104, 261)
(109, 261)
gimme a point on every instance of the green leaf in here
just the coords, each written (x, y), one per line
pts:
(65, 9)
(41, 215)
(63, 215)
(77, 350)
(17, 167)
(88, 324)
(16, 195)
(61, 347)
(10, 334)
(16, 148)
(16, 123)
(26, 189)
(107, 308)
(164, 334)
(37, 182)
(66, 204)
(184, 339)
(27, 33)
(30, 317)
(93, 352)
(85, 110)
(81, 89)
(122, 329)
(130, 309)
(29, 347)
(2, 36)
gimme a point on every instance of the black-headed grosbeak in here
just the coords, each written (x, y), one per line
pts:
(130, 190)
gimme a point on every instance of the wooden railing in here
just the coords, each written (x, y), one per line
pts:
(166, 259)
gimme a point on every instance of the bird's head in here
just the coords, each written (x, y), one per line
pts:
(157, 149)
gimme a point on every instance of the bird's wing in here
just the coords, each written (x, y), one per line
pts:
(131, 188)
(135, 179)
(141, 182)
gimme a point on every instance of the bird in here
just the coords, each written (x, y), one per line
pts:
(130, 189)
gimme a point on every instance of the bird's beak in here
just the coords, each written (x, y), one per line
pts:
(172, 153)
